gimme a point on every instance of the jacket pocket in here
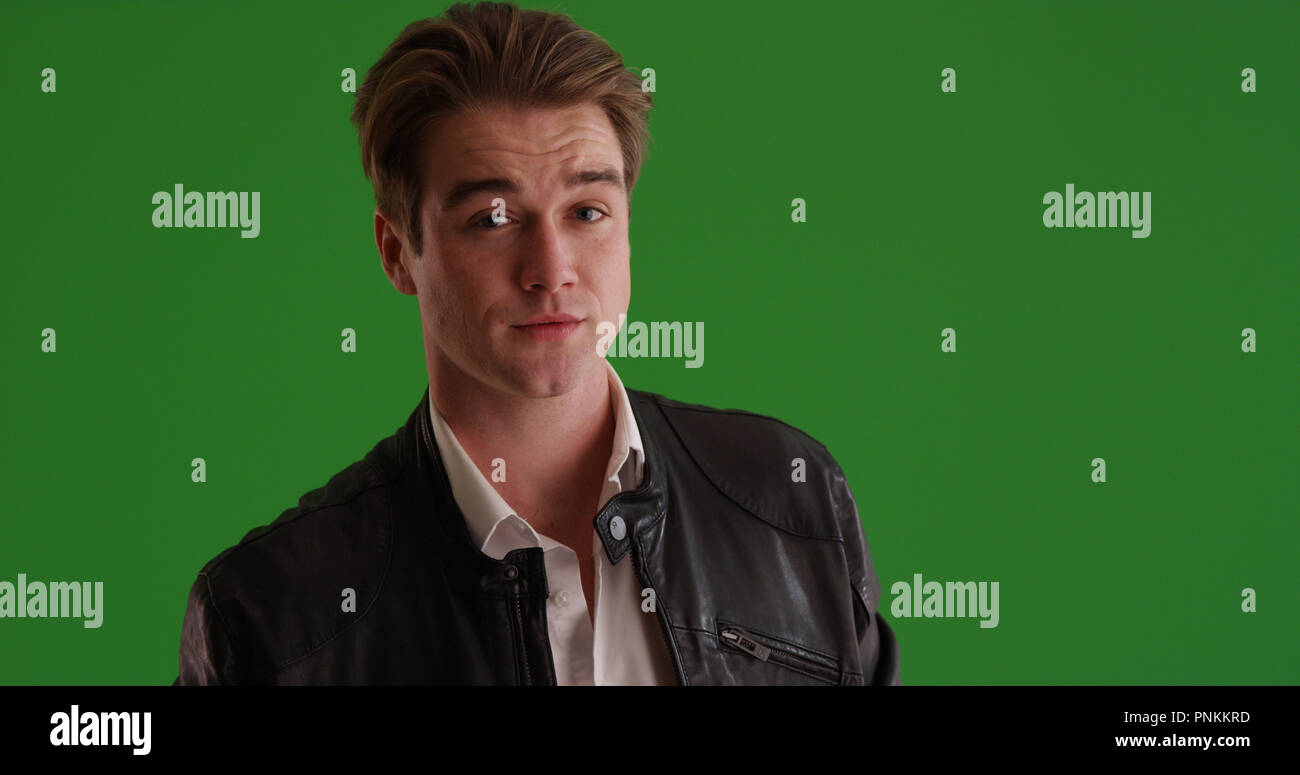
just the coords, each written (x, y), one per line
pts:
(777, 651)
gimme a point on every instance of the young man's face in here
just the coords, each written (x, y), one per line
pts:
(559, 246)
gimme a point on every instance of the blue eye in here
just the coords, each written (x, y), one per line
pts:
(488, 224)
(488, 219)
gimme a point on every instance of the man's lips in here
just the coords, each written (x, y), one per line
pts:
(548, 327)
(550, 318)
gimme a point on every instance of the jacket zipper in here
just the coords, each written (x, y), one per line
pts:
(743, 642)
(739, 639)
(523, 646)
(661, 615)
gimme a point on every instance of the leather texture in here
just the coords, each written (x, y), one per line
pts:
(754, 578)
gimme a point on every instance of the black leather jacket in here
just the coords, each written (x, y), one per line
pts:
(756, 578)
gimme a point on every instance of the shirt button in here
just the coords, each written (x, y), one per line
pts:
(562, 598)
(617, 528)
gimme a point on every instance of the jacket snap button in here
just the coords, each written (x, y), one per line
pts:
(512, 572)
(617, 528)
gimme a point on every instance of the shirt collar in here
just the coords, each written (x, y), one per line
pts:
(487, 513)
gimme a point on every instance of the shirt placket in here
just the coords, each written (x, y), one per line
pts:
(566, 616)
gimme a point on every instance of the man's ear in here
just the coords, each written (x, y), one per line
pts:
(392, 249)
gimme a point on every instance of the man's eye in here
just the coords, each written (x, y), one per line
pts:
(598, 213)
(488, 223)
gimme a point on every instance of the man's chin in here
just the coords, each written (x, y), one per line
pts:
(550, 377)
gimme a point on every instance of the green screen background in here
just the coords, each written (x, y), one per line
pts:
(924, 212)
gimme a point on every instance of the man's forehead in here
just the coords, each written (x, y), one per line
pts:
(521, 136)
(520, 149)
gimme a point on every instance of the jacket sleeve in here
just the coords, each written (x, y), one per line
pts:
(877, 643)
(207, 654)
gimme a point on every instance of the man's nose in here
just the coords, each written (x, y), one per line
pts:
(546, 260)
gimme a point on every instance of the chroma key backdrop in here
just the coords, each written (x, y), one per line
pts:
(1027, 269)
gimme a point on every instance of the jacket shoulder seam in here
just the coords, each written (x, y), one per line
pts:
(664, 401)
(381, 483)
(731, 493)
(379, 590)
(275, 526)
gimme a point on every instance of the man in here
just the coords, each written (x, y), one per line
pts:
(534, 521)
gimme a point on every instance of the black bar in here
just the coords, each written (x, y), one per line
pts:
(304, 724)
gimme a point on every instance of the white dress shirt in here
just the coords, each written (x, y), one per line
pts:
(627, 645)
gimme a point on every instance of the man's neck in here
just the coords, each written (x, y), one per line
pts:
(555, 449)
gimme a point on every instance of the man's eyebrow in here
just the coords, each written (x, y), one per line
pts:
(467, 188)
(604, 174)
